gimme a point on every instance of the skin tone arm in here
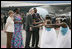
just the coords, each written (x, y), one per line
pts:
(52, 25)
(37, 22)
(57, 25)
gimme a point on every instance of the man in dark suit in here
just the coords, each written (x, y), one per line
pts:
(28, 28)
(5, 17)
(2, 21)
(35, 34)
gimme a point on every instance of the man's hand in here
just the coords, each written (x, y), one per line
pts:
(34, 22)
(30, 28)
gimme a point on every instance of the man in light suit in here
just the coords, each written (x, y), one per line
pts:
(28, 28)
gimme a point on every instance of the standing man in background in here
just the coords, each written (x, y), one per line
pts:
(2, 21)
(5, 18)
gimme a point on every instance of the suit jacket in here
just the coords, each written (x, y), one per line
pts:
(28, 22)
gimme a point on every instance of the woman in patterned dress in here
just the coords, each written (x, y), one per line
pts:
(17, 41)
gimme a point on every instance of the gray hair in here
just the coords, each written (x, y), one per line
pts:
(30, 9)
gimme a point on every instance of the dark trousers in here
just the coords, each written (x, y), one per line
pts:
(9, 38)
(28, 38)
(1, 25)
(23, 26)
(35, 37)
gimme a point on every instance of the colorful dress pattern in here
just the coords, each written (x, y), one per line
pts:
(17, 41)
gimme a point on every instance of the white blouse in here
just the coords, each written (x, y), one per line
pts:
(9, 27)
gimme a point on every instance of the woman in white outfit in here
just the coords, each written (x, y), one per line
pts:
(9, 28)
(49, 36)
(64, 37)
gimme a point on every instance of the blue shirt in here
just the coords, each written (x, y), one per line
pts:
(64, 30)
(48, 29)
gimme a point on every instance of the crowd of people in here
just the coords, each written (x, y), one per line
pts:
(3, 20)
(32, 23)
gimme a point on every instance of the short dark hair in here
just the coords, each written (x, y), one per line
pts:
(47, 17)
(34, 8)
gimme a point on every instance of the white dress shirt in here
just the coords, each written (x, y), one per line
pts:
(9, 27)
